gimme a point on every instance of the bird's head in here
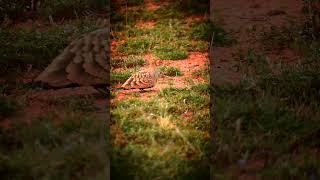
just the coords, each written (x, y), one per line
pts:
(157, 68)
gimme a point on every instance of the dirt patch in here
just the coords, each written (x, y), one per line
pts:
(44, 95)
(151, 6)
(194, 62)
(145, 24)
(246, 20)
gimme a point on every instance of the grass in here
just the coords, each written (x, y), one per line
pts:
(144, 129)
(204, 73)
(252, 63)
(20, 48)
(44, 150)
(20, 10)
(271, 119)
(294, 36)
(135, 2)
(75, 103)
(121, 21)
(195, 7)
(164, 136)
(127, 62)
(170, 71)
(170, 53)
(171, 39)
(168, 38)
(266, 126)
(203, 30)
(135, 46)
(120, 76)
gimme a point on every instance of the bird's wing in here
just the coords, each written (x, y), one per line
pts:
(139, 80)
(84, 61)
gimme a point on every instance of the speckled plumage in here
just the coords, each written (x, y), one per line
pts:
(84, 61)
(143, 79)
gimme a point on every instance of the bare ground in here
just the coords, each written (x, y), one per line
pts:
(240, 18)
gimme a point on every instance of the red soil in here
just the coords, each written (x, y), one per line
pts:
(239, 18)
(194, 62)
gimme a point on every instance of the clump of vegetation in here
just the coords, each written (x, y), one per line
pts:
(170, 71)
(13, 9)
(166, 136)
(194, 7)
(271, 118)
(31, 47)
(203, 30)
(120, 76)
(142, 128)
(278, 36)
(170, 53)
(252, 63)
(127, 62)
(168, 39)
(134, 2)
(312, 25)
(168, 11)
(76, 103)
(22, 10)
(135, 46)
(296, 37)
(279, 113)
(43, 149)
(120, 21)
(204, 73)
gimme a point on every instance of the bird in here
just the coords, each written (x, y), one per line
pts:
(84, 62)
(143, 79)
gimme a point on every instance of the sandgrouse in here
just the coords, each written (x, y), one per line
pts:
(143, 79)
(84, 62)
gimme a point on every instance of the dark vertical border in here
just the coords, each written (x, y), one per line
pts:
(212, 104)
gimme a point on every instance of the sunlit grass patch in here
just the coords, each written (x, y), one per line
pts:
(152, 138)
(168, 11)
(170, 53)
(120, 76)
(127, 62)
(204, 73)
(135, 46)
(154, 128)
(170, 71)
(136, 32)
(168, 39)
(187, 99)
